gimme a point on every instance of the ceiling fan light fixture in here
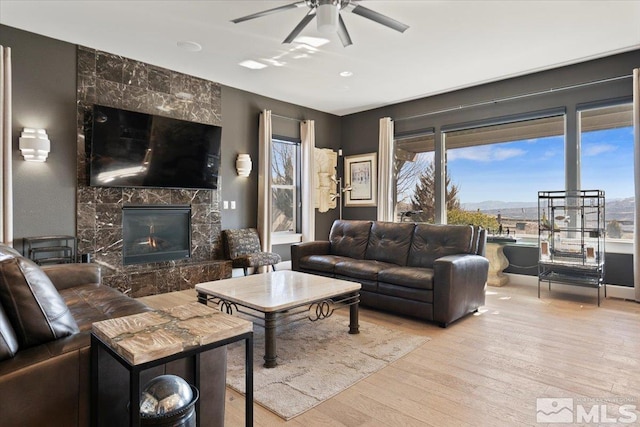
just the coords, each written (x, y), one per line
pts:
(327, 14)
(328, 17)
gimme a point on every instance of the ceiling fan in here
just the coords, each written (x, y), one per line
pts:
(328, 17)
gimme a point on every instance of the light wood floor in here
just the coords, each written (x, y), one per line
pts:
(486, 369)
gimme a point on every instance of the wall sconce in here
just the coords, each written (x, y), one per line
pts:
(34, 145)
(243, 164)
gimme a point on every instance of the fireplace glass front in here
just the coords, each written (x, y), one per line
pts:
(156, 233)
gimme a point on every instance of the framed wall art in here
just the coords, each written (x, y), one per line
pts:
(361, 177)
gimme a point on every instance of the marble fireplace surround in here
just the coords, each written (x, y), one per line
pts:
(119, 82)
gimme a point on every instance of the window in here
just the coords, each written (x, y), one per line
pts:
(494, 173)
(606, 163)
(414, 172)
(285, 182)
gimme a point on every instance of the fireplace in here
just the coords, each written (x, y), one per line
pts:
(155, 233)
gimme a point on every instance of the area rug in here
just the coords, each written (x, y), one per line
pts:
(317, 360)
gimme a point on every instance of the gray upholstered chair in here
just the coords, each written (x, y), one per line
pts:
(242, 246)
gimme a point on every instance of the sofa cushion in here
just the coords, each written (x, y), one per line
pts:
(349, 238)
(8, 339)
(408, 294)
(325, 263)
(411, 277)
(92, 302)
(361, 269)
(431, 242)
(37, 312)
(390, 242)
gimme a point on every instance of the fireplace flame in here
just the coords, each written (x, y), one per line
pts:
(151, 240)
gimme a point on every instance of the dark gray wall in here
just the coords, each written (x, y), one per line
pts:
(43, 97)
(360, 131)
(240, 113)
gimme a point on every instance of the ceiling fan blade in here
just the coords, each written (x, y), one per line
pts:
(380, 18)
(345, 38)
(270, 11)
(298, 29)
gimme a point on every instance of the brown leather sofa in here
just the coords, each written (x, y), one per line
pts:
(46, 315)
(433, 272)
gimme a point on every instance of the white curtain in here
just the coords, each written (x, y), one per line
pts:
(308, 135)
(636, 155)
(6, 187)
(264, 180)
(385, 171)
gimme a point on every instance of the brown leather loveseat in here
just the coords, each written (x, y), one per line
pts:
(433, 272)
(46, 315)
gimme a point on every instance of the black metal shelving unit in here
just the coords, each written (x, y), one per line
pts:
(58, 249)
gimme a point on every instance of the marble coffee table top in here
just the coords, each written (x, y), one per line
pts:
(278, 290)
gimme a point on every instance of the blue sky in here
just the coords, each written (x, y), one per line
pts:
(516, 171)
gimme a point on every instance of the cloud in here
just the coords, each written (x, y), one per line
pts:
(485, 153)
(596, 149)
(507, 153)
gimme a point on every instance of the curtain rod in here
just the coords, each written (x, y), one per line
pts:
(511, 98)
(286, 118)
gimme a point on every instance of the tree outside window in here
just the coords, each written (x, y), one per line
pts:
(284, 182)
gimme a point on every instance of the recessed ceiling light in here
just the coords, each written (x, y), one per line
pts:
(190, 46)
(346, 74)
(275, 62)
(252, 65)
(311, 41)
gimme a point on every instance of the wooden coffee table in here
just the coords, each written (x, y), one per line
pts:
(282, 297)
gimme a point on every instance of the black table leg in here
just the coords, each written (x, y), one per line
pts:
(248, 372)
(134, 398)
(196, 384)
(93, 399)
(202, 298)
(270, 340)
(354, 327)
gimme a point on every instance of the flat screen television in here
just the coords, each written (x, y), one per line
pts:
(131, 149)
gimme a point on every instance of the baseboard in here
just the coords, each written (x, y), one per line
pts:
(613, 291)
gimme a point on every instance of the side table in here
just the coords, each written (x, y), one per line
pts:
(153, 338)
(58, 249)
(497, 260)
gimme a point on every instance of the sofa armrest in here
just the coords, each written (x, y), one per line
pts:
(459, 284)
(66, 276)
(299, 250)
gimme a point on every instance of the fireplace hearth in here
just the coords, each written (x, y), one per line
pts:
(155, 233)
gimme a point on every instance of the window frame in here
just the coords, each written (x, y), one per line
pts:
(289, 236)
(617, 245)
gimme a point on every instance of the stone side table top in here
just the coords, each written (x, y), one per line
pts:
(148, 336)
